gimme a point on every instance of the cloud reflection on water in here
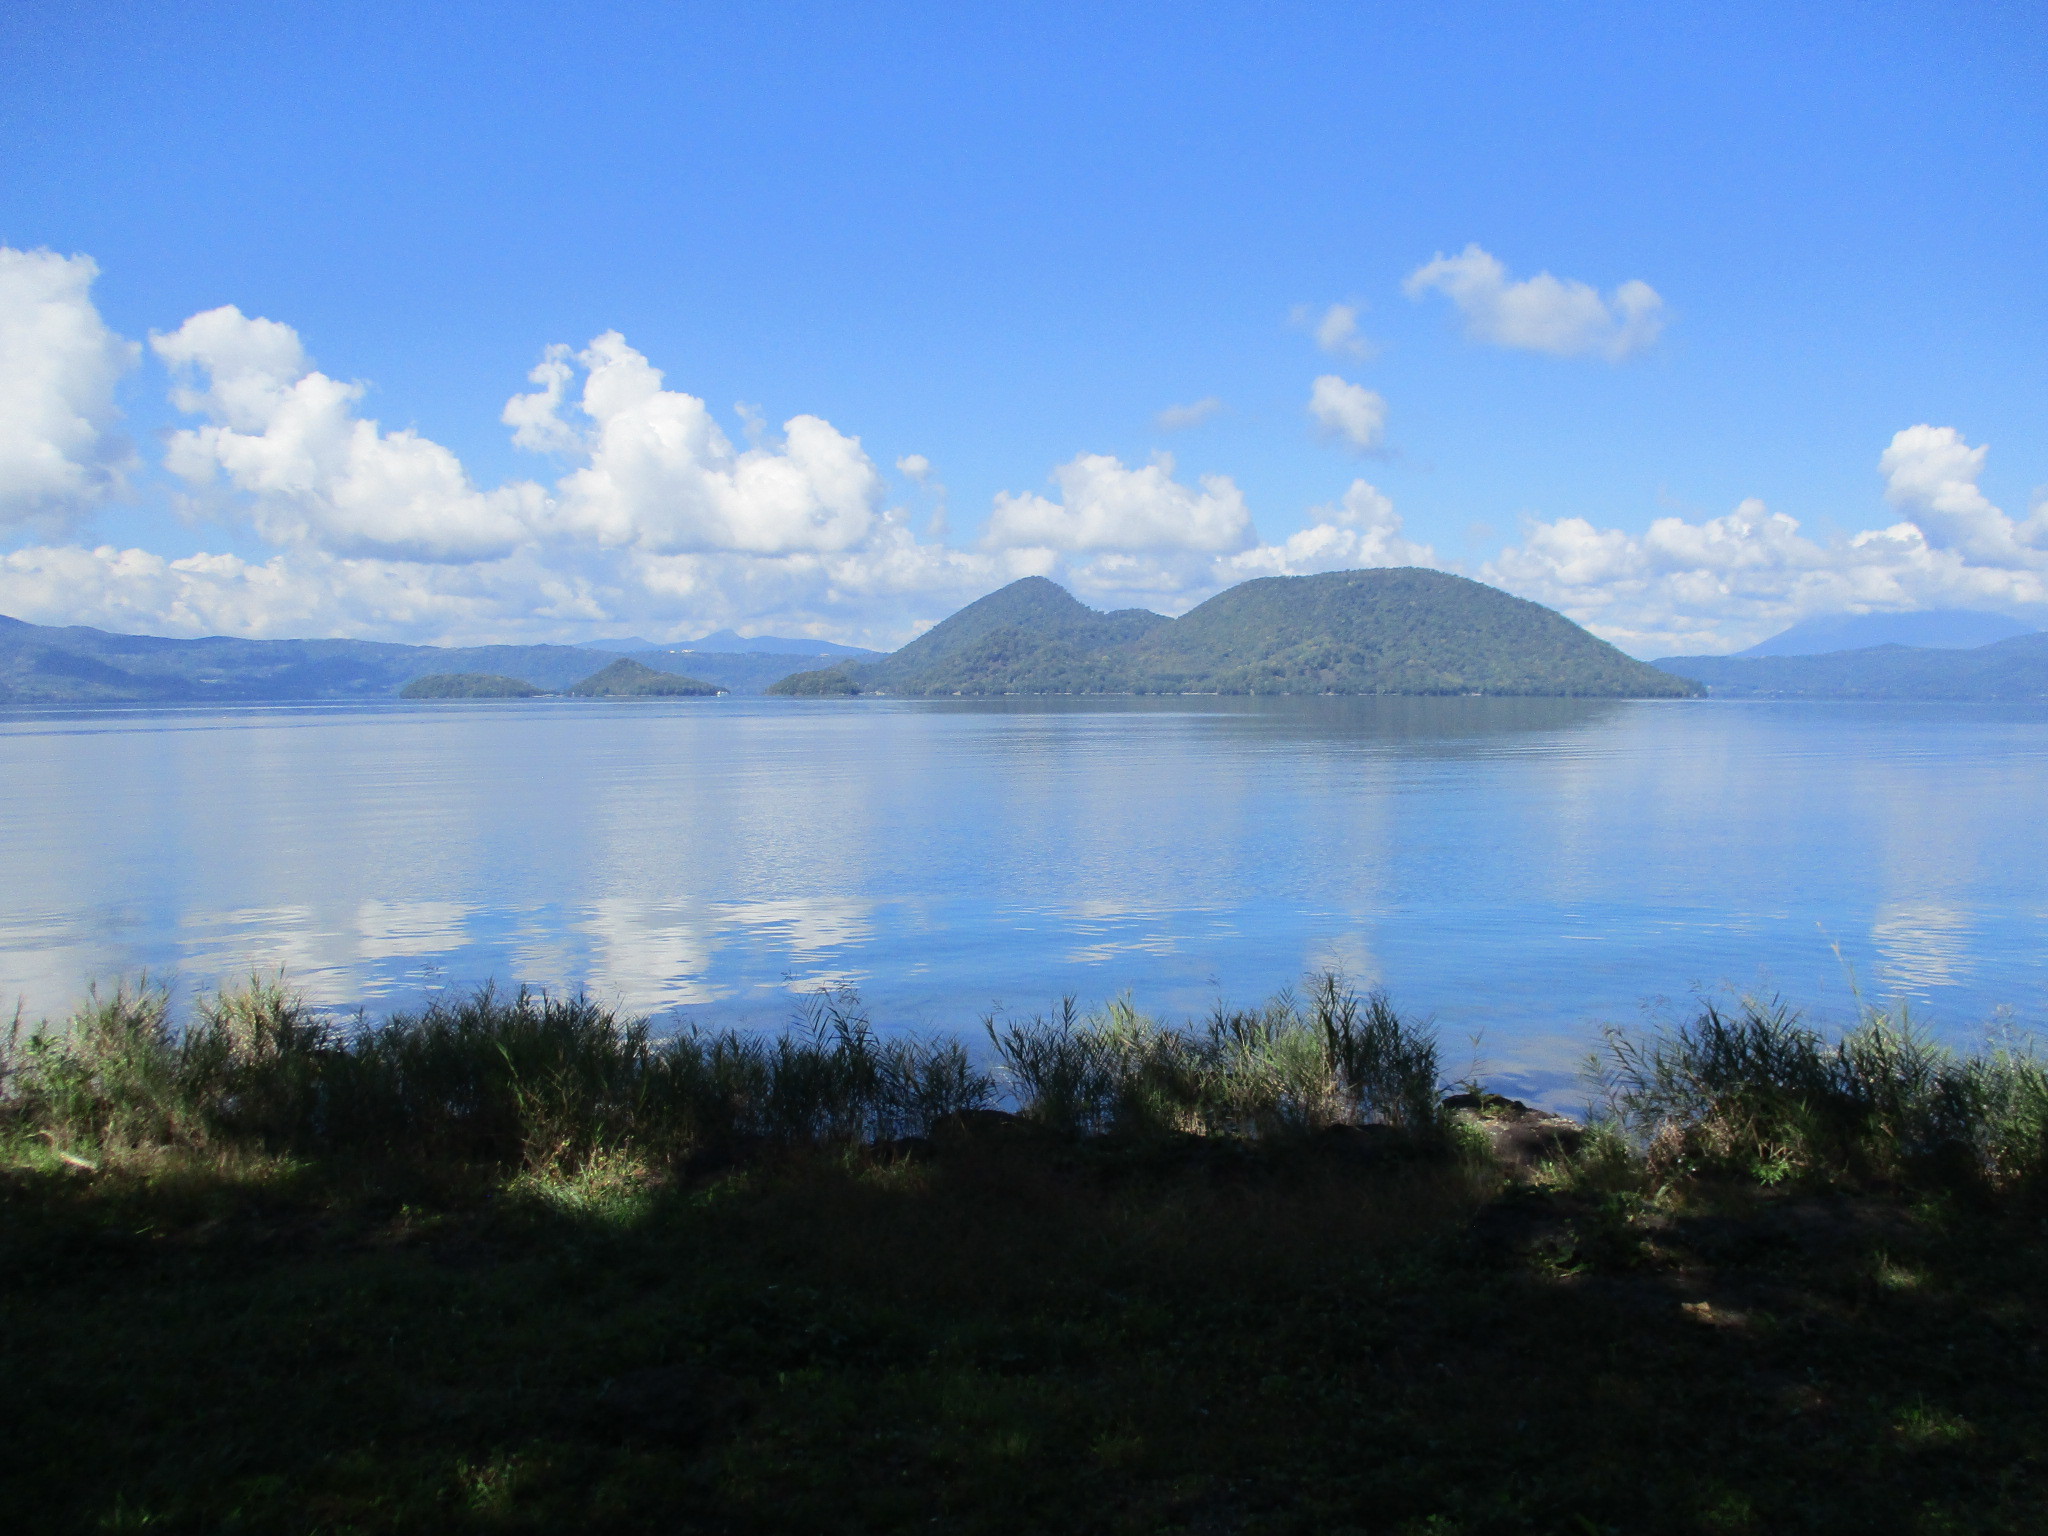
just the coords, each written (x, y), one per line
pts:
(1518, 868)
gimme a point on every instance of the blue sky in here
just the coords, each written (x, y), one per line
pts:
(1006, 240)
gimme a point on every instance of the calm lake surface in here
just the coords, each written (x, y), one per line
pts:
(1521, 869)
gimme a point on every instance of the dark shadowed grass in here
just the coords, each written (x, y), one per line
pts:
(514, 1264)
(1017, 1333)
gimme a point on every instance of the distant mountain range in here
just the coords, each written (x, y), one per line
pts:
(1935, 629)
(725, 643)
(44, 664)
(1405, 631)
(2015, 668)
(1400, 631)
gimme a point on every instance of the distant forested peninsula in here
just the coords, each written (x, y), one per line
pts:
(623, 679)
(75, 664)
(629, 679)
(468, 685)
(1400, 631)
(2014, 670)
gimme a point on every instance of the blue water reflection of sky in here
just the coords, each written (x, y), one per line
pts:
(1523, 870)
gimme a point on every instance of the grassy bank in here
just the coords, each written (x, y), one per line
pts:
(512, 1263)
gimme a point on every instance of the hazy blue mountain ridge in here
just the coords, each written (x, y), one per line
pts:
(724, 642)
(2012, 669)
(735, 671)
(1936, 629)
(1405, 630)
(45, 664)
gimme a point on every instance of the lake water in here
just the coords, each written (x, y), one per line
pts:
(1521, 869)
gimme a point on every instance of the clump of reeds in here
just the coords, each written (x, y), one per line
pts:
(831, 1078)
(489, 1077)
(121, 1074)
(523, 1078)
(113, 1077)
(1754, 1092)
(1288, 1067)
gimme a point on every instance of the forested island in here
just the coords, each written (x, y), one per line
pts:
(623, 679)
(468, 685)
(1406, 630)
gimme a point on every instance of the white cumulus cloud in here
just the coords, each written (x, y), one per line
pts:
(60, 454)
(1121, 536)
(1931, 474)
(316, 474)
(1349, 413)
(662, 477)
(1361, 530)
(295, 594)
(1716, 585)
(536, 418)
(1560, 316)
(880, 595)
(656, 520)
(1103, 505)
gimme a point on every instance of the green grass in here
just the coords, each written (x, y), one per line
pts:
(548, 1084)
(514, 1264)
(1755, 1093)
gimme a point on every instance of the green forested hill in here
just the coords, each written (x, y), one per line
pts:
(1406, 630)
(468, 685)
(1030, 637)
(628, 679)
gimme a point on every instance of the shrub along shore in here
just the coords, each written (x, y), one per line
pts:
(514, 1261)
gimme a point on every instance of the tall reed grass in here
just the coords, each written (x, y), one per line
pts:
(518, 1078)
(1293, 1066)
(550, 1083)
(1754, 1092)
